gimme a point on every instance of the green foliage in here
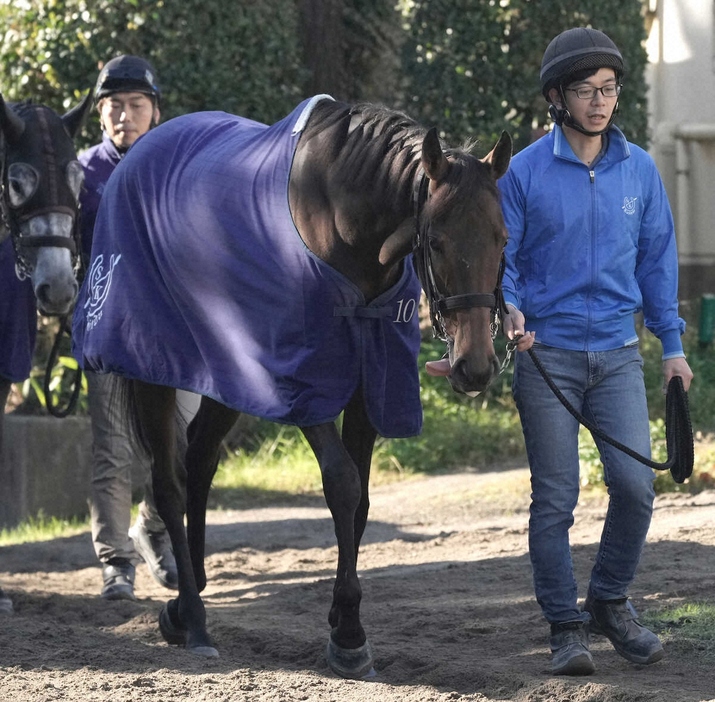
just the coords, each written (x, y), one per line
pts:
(242, 57)
(472, 67)
(469, 67)
(62, 375)
(61, 385)
(459, 431)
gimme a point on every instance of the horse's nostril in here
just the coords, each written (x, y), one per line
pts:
(42, 293)
(459, 372)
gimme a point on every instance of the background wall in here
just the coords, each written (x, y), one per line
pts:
(681, 104)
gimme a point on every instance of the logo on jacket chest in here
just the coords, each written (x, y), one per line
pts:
(629, 205)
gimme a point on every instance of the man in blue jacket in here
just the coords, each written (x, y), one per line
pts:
(591, 243)
(127, 96)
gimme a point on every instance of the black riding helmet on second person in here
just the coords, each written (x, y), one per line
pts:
(127, 74)
(572, 52)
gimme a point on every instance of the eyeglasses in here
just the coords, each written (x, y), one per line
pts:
(588, 92)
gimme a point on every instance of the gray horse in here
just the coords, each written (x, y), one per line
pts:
(39, 247)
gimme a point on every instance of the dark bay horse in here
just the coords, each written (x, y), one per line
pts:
(270, 270)
(40, 180)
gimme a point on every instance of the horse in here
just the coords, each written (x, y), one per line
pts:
(270, 270)
(40, 180)
(39, 210)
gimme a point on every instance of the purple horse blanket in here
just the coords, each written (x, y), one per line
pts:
(199, 280)
(18, 319)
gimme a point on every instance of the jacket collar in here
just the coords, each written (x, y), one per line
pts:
(617, 149)
(110, 149)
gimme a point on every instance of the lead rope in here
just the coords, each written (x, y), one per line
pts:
(678, 429)
(51, 360)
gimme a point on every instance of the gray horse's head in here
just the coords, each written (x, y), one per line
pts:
(41, 181)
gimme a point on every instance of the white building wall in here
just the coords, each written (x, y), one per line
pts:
(681, 79)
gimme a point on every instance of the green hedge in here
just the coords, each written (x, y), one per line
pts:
(472, 67)
(469, 67)
(242, 57)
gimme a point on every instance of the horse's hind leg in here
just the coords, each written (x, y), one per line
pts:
(349, 653)
(205, 434)
(184, 619)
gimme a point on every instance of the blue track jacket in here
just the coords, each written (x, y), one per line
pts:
(590, 246)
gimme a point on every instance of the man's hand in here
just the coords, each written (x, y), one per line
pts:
(514, 329)
(673, 367)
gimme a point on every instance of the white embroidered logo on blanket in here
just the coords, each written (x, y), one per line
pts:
(98, 284)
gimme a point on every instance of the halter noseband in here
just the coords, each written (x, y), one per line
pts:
(440, 304)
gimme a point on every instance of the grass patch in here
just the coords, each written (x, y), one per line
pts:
(281, 469)
(42, 528)
(690, 627)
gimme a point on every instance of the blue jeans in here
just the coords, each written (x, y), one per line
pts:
(607, 387)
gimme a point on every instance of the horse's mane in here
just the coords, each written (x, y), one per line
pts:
(26, 108)
(382, 146)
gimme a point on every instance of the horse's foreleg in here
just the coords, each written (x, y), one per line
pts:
(349, 653)
(359, 440)
(183, 620)
(205, 434)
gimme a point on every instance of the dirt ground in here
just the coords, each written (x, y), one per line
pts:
(447, 604)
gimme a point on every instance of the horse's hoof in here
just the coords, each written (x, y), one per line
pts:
(204, 651)
(172, 632)
(354, 663)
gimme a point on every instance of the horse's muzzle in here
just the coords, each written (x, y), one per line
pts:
(466, 379)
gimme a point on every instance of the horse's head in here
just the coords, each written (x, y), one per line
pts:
(41, 181)
(461, 238)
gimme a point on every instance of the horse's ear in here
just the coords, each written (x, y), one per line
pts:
(74, 118)
(434, 161)
(498, 158)
(12, 125)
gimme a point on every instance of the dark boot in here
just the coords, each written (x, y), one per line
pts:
(618, 620)
(569, 649)
(118, 577)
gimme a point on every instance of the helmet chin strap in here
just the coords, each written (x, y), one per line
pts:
(562, 116)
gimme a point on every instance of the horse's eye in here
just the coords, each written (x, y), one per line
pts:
(22, 180)
(434, 244)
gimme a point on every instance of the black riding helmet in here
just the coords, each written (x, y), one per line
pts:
(572, 51)
(127, 74)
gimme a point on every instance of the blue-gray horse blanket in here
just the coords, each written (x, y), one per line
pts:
(199, 280)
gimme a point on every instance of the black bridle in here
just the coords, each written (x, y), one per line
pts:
(440, 304)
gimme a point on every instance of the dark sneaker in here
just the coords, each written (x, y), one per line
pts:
(5, 603)
(618, 620)
(118, 576)
(569, 649)
(155, 549)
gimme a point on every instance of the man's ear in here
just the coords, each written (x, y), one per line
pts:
(157, 115)
(555, 98)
